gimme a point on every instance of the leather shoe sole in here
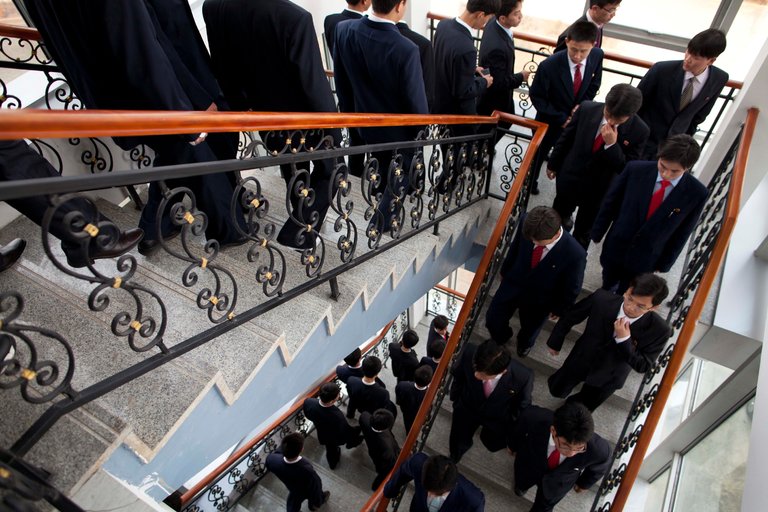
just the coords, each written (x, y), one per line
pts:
(11, 252)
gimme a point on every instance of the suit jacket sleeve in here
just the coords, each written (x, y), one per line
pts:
(648, 86)
(571, 286)
(401, 477)
(597, 77)
(414, 89)
(564, 143)
(641, 360)
(503, 77)
(467, 85)
(575, 315)
(704, 111)
(542, 82)
(459, 382)
(595, 470)
(304, 51)
(679, 238)
(341, 79)
(514, 249)
(609, 210)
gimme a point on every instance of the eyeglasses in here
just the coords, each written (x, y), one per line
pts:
(562, 447)
(611, 10)
(633, 301)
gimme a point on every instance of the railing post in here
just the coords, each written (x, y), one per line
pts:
(335, 293)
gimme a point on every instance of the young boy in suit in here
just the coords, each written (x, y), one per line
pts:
(489, 390)
(623, 333)
(595, 146)
(438, 329)
(409, 395)
(557, 452)
(435, 351)
(352, 366)
(437, 485)
(402, 356)
(297, 474)
(651, 209)
(679, 94)
(562, 81)
(540, 277)
(333, 430)
(600, 12)
(382, 445)
(368, 393)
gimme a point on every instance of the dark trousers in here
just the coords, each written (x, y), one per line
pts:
(356, 162)
(503, 306)
(332, 455)
(549, 140)
(616, 279)
(562, 382)
(542, 503)
(464, 424)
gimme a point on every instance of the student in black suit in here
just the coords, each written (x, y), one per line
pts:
(352, 366)
(333, 430)
(541, 277)
(438, 329)
(497, 53)
(557, 452)
(652, 209)
(403, 357)
(437, 485)
(623, 333)
(595, 146)
(427, 56)
(409, 395)
(19, 162)
(435, 351)
(679, 94)
(562, 81)
(279, 36)
(600, 13)
(368, 393)
(378, 70)
(354, 11)
(489, 390)
(297, 474)
(382, 445)
(459, 81)
(147, 55)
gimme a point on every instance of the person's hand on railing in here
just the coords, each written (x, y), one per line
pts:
(526, 73)
(551, 174)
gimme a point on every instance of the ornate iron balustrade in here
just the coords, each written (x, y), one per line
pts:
(616, 68)
(705, 255)
(242, 471)
(449, 308)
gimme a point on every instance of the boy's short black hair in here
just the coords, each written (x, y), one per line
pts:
(623, 100)
(328, 392)
(507, 6)
(423, 375)
(708, 43)
(354, 358)
(439, 474)
(435, 349)
(410, 338)
(650, 285)
(371, 366)
(440, 322)
(292, 445)
(384, 6)
(582, 32)
(486, 6)
(382, 419)
(603, 3)
(541, 223)
(491, 358)
(681, 148)
(573, 422)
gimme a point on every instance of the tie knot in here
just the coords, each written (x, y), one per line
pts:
(665, 183)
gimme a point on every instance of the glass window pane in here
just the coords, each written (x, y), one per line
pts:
(673, 413)
(665, 17)
(710, 378)
(656, 490)
(748, 31)
(713, 472)
(9, 14)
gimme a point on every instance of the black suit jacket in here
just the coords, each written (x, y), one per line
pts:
(329, 25)
(403, 363)
(409, 398)
(332, 427)
(457, 88)
(363, 397)
(464, 497)
(608, 363)
(378, 70)
(530, 442)
(552, 87)
(555, 282)
(662, 87)
(497, 53)
(579, 170)
(433, 335)
(300, 477)
(344, 372)
(427, 56)
(560, 45)
(382, 446)
(498, 411)
(640, 245)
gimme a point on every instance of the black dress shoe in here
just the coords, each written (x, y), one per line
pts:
(234, 243)
(535, 188)
(11, 252)
(524, 352)
(148, 247)
(127, 241)
(519, 492)
(326, 495)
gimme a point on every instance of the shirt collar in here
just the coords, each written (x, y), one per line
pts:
(292, 461)
(550, 245)
(375, 18)
(463, 24)
(623, 314)
(420, 388)
(354, 11)
(505, 29)
(700, 78)
(674, 182)
(573, 64)
(589, 19)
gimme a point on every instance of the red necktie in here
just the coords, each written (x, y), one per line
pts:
(599, 141)
(487, 388)
(538, 251)
(657, 198)
(577, 80)
(554, 459)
